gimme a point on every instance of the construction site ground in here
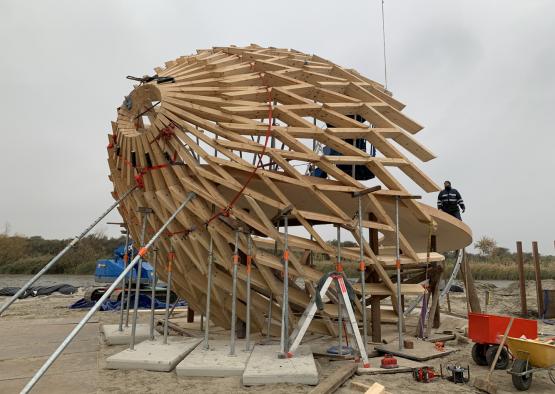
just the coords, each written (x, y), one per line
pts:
(32, 328)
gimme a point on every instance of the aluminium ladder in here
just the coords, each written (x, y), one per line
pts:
(310, 312)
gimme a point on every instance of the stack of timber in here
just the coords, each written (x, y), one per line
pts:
(237, 126)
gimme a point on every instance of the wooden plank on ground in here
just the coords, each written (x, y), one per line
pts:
(376, 388)
(336, 379)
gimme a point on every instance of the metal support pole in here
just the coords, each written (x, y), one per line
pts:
(129, 288)
(248, 327)
(362, 268)
(125, 260)
(138, 286)
(398, 267)
(339, 269)
(153, 294)
(285, 298)
(171, 256)
(63, 252)
(99, 303)
(234, 295)
(209, 291)
(269, 327)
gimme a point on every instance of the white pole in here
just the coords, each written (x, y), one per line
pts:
(398, 266)
(138, 287)
(362, 274)
(125, 259)
(248, 327)
(129, 288)
(153, 294)
(285, 298)
(171, 257)
(234, 295)
(339, 311)
(209, 291)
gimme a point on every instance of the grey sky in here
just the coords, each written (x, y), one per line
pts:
(479, 75)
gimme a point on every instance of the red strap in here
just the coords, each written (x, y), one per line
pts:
(166, 133)
(226, 210)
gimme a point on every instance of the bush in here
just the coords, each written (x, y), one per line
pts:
(27, 255)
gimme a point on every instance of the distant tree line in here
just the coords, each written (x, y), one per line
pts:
(27, 255)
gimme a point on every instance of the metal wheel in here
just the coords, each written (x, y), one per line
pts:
(502, 361)
(479, 353)
(521, 382)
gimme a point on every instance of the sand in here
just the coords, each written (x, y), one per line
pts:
(504, 300)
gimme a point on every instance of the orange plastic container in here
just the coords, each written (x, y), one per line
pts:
(486, 328)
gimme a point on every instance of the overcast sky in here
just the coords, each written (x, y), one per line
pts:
(479, 75)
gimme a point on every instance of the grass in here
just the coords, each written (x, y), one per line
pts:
(482, 268)
(505, 270)
(27, 255)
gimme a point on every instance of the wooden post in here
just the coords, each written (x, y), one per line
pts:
(375, 313)
(471, 293)
(376, 318)
(433, 243)
(373, 235)
(537, 272)
(190, 315)
(521, 279)
(437, 315)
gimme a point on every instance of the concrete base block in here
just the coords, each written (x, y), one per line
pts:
(216, 361)
(264, 367)
(154, 355)
(112, 336)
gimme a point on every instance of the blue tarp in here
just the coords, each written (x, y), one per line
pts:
(144, 303)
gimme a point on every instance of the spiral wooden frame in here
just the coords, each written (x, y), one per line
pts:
(204, 128)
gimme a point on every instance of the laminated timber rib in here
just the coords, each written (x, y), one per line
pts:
(204, 128)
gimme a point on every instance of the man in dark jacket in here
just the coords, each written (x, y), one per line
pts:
(449, 200)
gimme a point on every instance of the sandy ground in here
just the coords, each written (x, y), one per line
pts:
(504, 300)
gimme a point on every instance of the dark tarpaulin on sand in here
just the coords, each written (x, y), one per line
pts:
(144, 303)
(39, 290)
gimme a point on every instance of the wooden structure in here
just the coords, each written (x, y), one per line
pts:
(243, 128)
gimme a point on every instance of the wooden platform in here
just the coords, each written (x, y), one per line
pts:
(422, 351)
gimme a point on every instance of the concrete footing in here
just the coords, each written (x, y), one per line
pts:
(216, 361)
(153, 355)
(264, 367)
(112, 335)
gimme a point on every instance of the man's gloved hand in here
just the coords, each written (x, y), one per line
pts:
(463, 210)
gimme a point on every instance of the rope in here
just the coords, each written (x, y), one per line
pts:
(225, 211)
(384, 53)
